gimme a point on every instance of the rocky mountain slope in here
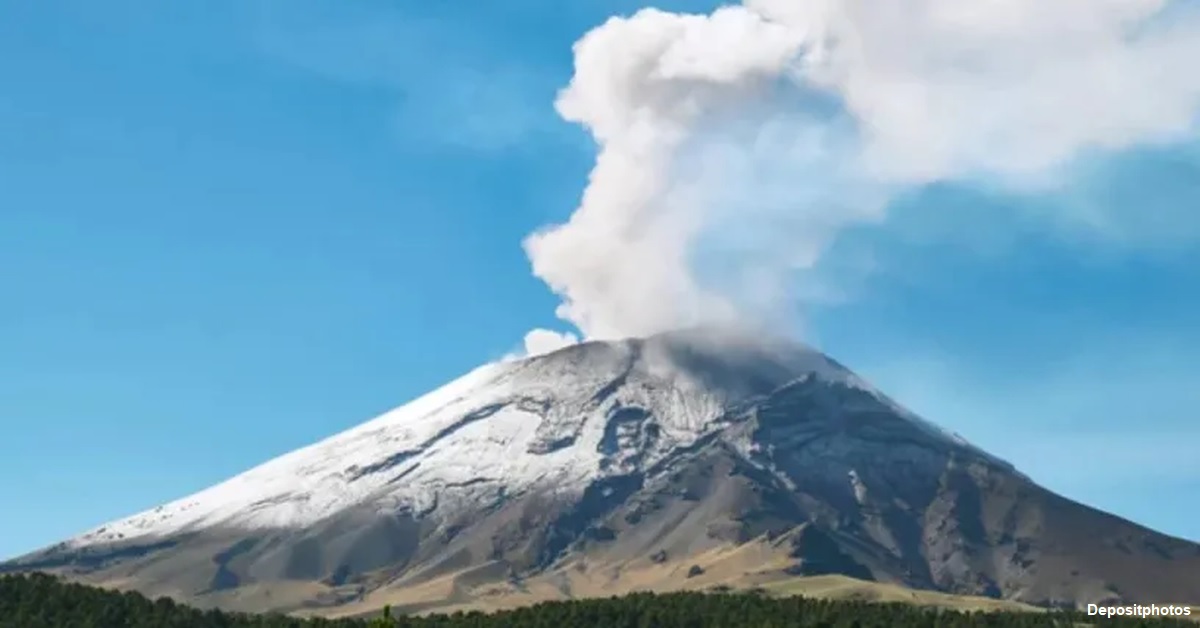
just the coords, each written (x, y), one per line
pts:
(688, 459)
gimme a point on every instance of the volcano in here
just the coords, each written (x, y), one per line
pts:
(690, 459)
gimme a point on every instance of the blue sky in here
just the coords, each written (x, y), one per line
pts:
(228, 231)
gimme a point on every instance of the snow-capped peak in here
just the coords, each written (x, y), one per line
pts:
(553, 422)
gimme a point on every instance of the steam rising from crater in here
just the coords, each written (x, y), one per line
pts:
(734, 146)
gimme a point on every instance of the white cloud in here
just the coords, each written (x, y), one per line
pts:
(621, 263)
(945, 88)
(734, 146)
(543, 341)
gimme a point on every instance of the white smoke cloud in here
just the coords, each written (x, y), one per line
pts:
(543, 341)
(733, 146)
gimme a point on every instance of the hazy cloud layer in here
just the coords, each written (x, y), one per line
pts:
(1124, 403)
(733, 146)
(448, 91)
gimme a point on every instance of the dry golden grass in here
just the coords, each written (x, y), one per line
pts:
(843, 588)
(741, 568)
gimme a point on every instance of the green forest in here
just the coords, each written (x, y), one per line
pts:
(42, 601)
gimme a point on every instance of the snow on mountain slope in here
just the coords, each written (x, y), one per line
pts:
(310, 482)
(552, 423)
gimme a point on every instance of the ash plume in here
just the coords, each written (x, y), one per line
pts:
(733, 147)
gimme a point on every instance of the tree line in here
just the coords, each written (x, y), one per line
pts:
(43, 601)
